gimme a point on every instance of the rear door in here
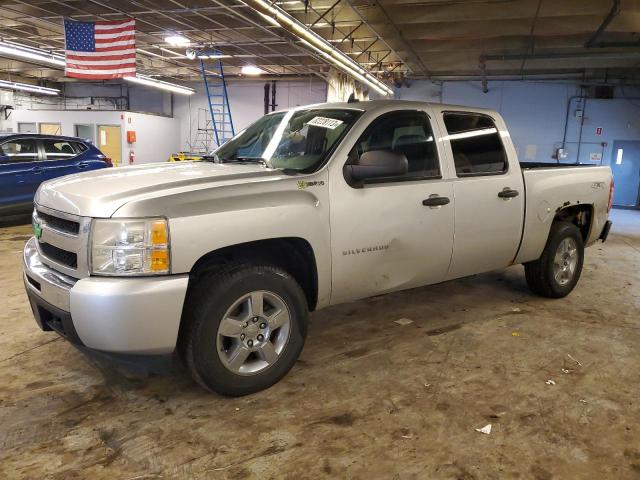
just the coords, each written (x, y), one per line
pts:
(488, 192)
(62, 157)
(21, 172)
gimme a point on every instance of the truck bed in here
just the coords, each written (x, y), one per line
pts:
(549, 189)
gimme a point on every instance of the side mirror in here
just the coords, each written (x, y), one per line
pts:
(377, 164)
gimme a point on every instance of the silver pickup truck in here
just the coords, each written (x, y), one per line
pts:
(222, 260)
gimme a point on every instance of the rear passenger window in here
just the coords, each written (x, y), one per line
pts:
(58, 149)
(408, 133)
(475, 143)
(79, 146)
(17, 151)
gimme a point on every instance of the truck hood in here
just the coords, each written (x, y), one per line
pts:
(100, 193)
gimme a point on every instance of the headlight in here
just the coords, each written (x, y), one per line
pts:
(130, 247)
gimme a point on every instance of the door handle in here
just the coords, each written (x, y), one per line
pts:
(83, 165)
(435, 201)
(36, 169)
(508, 193)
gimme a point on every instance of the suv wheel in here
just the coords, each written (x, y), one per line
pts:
(243, 328)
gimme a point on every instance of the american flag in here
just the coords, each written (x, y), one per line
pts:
(100, 50)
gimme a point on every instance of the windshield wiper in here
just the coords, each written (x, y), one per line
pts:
(245, 160)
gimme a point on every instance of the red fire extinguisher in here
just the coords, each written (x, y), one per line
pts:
(132, 157)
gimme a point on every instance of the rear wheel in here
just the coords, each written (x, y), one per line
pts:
(557, 271)
(244, 328)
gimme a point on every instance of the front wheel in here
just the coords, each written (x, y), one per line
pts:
(557, 271)
(244, 328)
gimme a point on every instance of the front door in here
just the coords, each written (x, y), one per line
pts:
(383, 237)
(625, 165)
(489, 196)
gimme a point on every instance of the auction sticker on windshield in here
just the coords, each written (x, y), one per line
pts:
(325, 122)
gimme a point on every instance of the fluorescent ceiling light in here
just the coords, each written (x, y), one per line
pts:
(178, 55)
(28, 88)
(28, 53)
(162, 85)
(251, 70)
(177, 40)
(215, 56)
(277, 16)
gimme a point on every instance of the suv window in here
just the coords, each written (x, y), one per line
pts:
(408, 133)
(475, 143)
(58, 149)
(20, 150)
(79, 146)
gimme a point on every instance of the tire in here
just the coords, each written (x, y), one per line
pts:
(219, 326)
(544, 276)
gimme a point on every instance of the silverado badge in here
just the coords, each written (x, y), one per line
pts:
(37, 229)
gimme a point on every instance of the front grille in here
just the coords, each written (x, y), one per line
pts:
(59, 255)
(60, 224)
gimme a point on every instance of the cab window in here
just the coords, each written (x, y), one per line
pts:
(407, 133)
(475, 143)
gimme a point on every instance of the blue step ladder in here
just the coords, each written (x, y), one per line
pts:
(216, 89)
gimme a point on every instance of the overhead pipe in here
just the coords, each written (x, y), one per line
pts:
(613, 13)
(280, 18)
(551, 56)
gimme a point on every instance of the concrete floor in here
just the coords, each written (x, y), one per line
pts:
(368, 399)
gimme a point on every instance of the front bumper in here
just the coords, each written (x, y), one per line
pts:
(118, 315)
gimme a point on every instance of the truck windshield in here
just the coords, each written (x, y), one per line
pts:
(299, 140)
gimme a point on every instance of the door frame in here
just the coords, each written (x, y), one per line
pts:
(612, 163)
(94, 128)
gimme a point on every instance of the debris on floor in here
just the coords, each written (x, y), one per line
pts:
(577, 362)
(403, 321)
(564, 370)
(550, 382)
(515, 334)
(486, 429)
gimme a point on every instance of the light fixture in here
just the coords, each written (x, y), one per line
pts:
(251, 70)
(161, 84)
(177, 40)
(28, 88)
(214, 56)
(176, 54)
(277, 16)
(15, 50)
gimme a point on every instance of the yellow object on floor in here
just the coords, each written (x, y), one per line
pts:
(185, 157)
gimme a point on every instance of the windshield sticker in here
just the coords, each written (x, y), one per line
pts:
(325, 122)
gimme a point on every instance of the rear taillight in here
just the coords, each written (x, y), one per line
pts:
(610, 197)
(108, 161)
